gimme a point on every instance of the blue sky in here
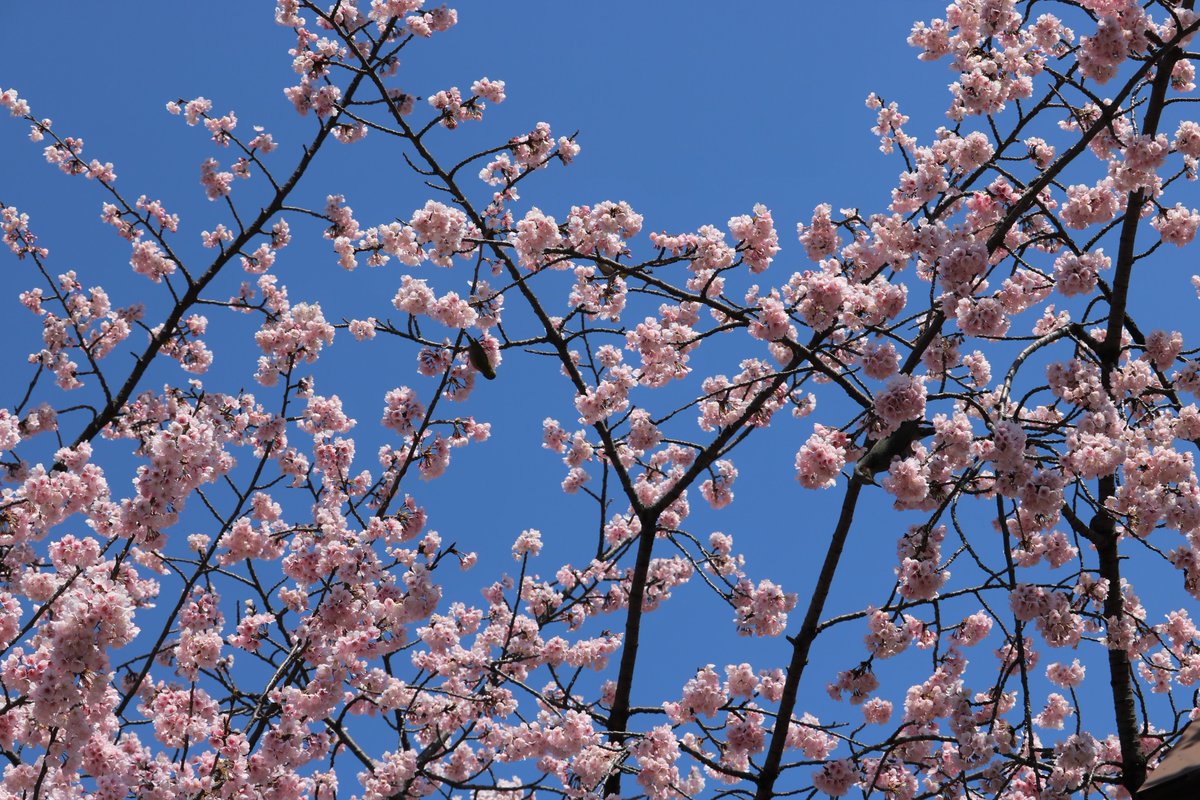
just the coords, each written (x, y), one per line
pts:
(690, 111)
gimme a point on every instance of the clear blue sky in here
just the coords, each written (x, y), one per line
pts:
(690, 111)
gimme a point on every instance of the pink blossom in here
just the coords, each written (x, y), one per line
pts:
(823, 294)
(979, 367)
(531, 150)
(1088, 205)
(181, 716)
(963, 264)
(917, 187)
(920, 579)
(902, 400)
(148, 259)
(1058, 551)
(835, 778)
(740, 680)
(1177, 225)
(535, 234)
(1183, 76)
(300, 332)
(362, 329)
(489, 89)
(657, 753)
(609, 397)
(221, 128)
(973, 629)
(1187, 139)
(194, 109)
(602, 229)
(1027, 601)
(1077, 751)
(759, 241)
(553, 435)
(1055, 712)
(16, 234)
(444, 228)
(820, 239)
(983, 317)
(717, 490)
(773, 322)
(1077, 274)
(877, 711)
(414, 296)
(403, 409)
(16, 106)
(663, 347)
(880, 361)
(885, 638)
(216, 184)
(762, 610)
(821, 458)
(1041, 152)
(1163, 348)
(528, 543)
(702, 696)
(453, 311)
(643, 434)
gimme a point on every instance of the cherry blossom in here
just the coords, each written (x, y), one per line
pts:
(211, 591)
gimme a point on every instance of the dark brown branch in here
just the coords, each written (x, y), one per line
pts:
(803, 641)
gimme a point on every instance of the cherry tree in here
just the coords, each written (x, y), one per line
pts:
(210, 591)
